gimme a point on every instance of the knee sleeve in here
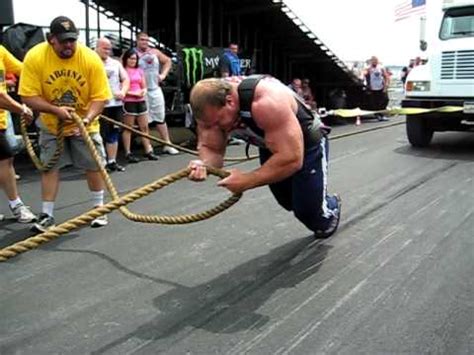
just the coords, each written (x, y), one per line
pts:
(112, 136)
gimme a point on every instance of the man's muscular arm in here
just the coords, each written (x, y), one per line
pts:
(165, 62)
(212, 144)
(273, 112)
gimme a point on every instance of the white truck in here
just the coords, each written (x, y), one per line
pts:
(447, 79)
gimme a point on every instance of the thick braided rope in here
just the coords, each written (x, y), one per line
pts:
(119, 203)
(161, 141)
(125, 211)
(86, 218)
(138, 217)
(29, 147)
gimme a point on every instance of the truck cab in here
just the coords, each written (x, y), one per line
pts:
(447, 78)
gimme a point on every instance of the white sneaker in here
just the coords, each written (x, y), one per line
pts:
(23, 213)
(170, 150)
(100, 221)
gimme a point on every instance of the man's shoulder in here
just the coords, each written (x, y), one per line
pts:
(269, 91)
(38, 52)
(83, 49)
(91, 57)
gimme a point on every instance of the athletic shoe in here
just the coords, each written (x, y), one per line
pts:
(114, 166)
(132, 159)
(333, 224)
(235, 141)
(170, 150)
(2, 217)
(45, 221)
(151, 156)
(23, 213)
(383, 118)
(100, 221)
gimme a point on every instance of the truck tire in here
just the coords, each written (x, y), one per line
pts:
(418, 132)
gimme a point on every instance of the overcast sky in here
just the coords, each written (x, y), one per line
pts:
(352, 29)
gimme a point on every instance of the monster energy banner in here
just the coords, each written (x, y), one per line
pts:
(203, 62)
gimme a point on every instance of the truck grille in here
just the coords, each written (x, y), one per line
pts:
(457, 65)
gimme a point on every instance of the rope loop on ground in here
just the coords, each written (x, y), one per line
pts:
(117, 202)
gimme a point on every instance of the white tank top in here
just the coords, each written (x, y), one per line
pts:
(376, 78)
(151, 67)
(112, 68)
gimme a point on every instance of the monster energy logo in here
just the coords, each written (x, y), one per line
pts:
(193, 61)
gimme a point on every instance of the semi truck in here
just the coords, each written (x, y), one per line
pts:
(447, 78)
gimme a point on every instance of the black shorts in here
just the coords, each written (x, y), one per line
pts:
(135, 108)
(6, 151)
(114, 112)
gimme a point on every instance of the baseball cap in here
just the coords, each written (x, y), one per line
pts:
(63, 28)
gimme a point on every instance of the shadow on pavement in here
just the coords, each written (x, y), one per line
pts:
(228, 303)
(449, 146)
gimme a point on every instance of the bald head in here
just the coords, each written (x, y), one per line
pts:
(209, 92)
(374, 61)
(103, 48)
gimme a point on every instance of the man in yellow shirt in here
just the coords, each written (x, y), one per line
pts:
(8, 63)
(59, 77)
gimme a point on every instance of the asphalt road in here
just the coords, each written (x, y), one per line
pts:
(396, 278)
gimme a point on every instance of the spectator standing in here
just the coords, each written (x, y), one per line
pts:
(119, 84)
(230, 62)
(156, 66)
(60, 77)
(378, 80)
(406, 70)
(229, 65)
(135, 106)
(307, 94)
(21, 212)
(295, 86)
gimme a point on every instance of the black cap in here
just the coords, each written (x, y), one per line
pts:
(63, 28)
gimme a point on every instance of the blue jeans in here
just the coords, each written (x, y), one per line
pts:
(305, 192)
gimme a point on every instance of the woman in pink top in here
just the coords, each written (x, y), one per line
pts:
(134, 106)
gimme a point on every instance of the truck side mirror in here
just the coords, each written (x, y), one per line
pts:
(423, 45)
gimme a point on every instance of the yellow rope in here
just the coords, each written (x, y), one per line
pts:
(119, 203)
(29, 147)
(355, 112)
(86, 218)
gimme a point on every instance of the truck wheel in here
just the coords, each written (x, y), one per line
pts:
(418, 132)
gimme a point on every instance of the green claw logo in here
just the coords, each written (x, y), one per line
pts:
(193, 61)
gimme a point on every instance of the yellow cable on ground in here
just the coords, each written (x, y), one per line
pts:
(357, 112)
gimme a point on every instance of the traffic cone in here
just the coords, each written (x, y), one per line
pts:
(358, 121)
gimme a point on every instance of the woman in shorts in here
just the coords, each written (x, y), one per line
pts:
(134, 106)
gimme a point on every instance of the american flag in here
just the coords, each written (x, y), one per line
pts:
(409, 8)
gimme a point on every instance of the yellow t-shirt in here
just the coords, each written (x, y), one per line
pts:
(74, 82)
(8, 64)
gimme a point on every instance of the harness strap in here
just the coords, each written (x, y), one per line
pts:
(246, 92)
